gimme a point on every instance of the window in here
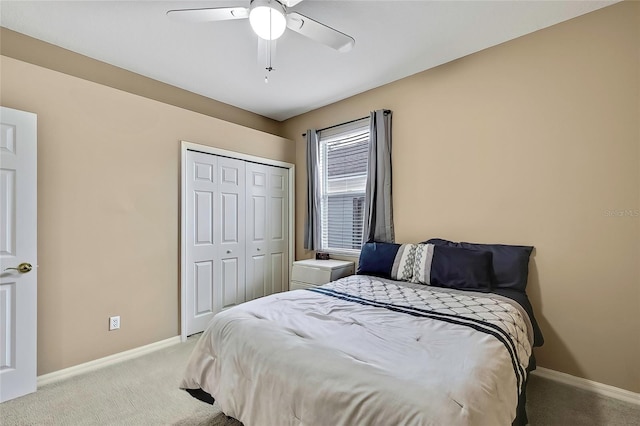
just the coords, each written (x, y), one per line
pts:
(343, 158)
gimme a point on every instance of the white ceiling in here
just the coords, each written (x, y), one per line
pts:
(394, 39)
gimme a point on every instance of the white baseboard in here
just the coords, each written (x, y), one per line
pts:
(595, 387)
(65, 373)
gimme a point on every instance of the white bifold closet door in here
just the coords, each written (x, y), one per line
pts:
(237, 234)
(267, 228)
(228, 224)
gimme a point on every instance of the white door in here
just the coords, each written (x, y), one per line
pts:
(229, 225)
(215, 237)
(257, 270)
(236, 238)
(267, 230)
(18, 221)
(278, 230)
(201, 198)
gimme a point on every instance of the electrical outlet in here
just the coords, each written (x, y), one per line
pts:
(114, 323)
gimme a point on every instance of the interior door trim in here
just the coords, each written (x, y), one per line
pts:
(190, 146)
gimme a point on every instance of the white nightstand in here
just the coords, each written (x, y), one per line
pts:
(310, 273)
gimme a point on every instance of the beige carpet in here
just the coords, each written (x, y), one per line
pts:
(141, 391)
(144, 391)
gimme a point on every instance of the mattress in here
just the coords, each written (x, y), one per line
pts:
(366, 350)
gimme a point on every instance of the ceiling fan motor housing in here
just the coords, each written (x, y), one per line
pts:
(267, 18)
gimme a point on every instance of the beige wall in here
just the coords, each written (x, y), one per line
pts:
(530, 142)
(37, 52)
(108, 206)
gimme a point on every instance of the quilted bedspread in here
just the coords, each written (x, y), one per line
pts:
(366, 350)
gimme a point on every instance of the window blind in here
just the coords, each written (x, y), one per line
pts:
(343, 159)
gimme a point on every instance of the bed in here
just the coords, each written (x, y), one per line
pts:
(423, 334)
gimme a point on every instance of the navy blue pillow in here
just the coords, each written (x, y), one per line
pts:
(461, 268)
(510, 263)
(377, 259)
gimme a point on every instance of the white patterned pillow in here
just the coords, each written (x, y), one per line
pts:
(413, 263)
(402, 269)
(422, 264)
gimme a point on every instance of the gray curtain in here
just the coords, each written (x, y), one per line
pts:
(378, 223)
(312, 221)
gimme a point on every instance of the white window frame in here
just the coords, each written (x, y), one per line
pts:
(324, 136)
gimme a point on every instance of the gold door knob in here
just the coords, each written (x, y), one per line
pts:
(23, 268)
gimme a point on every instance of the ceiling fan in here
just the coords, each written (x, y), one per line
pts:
(269, 19)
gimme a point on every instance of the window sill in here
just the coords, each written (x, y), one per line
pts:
(342, 255)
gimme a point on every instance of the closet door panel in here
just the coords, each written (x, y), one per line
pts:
(256, 276)
(230, 205)
(200, 194)
(203, 285)
(258, 217)
(203, 219)
(256, 228)
(231, 231)
(278, 234)
(232, 291)
(278, 268)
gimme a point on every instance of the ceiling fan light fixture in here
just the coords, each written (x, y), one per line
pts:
(267, 18)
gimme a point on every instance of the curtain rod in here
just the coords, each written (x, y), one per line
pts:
(386, 111)
(336, 125)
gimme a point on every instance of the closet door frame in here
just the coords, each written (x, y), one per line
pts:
(190, 146)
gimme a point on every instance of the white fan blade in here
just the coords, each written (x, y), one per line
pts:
(290, 3)
(319, 32)
(209, 14)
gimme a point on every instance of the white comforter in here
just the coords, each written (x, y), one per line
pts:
(366, 351)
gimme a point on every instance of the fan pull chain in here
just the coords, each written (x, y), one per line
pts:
(270, 46)
(269, 67)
